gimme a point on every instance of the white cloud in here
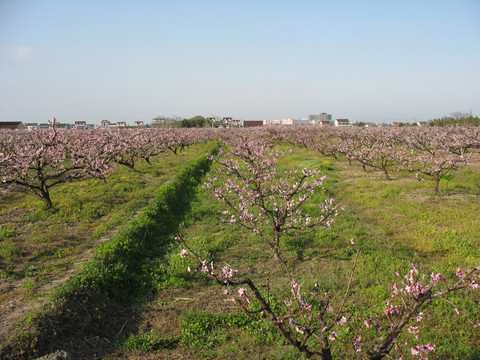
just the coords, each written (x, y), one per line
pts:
(23, 53)
(20, 54)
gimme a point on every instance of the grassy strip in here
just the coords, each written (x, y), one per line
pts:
(94, 306)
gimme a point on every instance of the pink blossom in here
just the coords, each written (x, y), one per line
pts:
(357, 346)
(228, 272)
(435, 278)
(419, 317)
(413, 329)
(422, 349)
(295, 325)
(242, 292)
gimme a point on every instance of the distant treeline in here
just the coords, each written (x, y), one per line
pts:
(196, 121)
(454, 120)
(177, 122)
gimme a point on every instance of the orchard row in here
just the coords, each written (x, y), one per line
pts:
(40, 160)
(430, 152)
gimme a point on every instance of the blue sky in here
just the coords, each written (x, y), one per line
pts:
(376, 60)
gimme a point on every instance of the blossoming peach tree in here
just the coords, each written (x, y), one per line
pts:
(259, 198)
(41, 160)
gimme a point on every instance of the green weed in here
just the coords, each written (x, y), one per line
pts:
(7, 231)
(149, 341)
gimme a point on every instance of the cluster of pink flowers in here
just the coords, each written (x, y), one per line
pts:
(422, 349)
(411, 285)
(228, 272)
(208, 268)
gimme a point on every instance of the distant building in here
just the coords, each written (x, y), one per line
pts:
(223, 123)
(288, 121)
(11, 125)
(43, 126)
(226, 122)
(117, 125)
(105, 124)
(31, 126)
(302, 122)
(252, 123)
(80, 125)
(325, 123)
(342, 122)
(138, 124)
(317, 119)
(160, 121)
(121, 124)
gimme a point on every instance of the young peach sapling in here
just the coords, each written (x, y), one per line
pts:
(312, 322)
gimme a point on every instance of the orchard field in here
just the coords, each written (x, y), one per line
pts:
(284, 243)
